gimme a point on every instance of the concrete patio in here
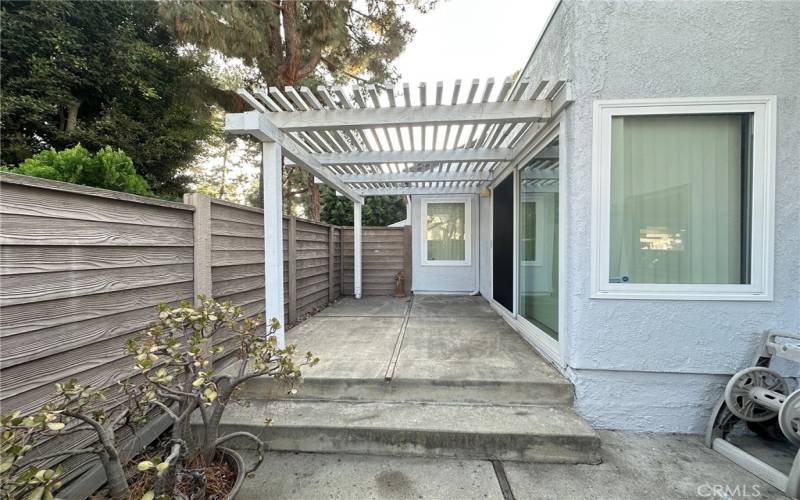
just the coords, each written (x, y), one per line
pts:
(436, 397)
(635, 466)
(424, 341)
(428, 376)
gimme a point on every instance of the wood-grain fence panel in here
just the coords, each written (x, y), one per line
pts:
(27, 200)
(383, 255)
(21, 289)
(24, 230)
(48, 259)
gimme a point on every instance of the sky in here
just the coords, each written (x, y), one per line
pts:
(469, 39)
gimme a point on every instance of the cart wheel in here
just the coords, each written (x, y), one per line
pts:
(789, 418)
(737, 392)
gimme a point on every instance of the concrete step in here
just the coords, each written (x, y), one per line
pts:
(550, 391)
(552, 434)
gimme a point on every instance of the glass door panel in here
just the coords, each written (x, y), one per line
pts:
(538, 240)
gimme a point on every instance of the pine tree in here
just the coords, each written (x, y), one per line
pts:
(292, 42)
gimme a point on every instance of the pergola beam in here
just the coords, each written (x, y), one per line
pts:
(258, 125)
(403, 191)
(457, 114)
(416, 177)
(435, 156)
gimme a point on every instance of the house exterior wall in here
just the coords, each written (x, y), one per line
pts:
(445, 278)
(659, 365)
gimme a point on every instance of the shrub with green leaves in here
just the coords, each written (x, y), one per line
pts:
(108, 169)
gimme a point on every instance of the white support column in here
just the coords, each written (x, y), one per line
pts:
(357, 249)
(273, 237)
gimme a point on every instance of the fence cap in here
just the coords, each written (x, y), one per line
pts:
(25, 180)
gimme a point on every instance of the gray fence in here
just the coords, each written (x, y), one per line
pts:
(82, 269)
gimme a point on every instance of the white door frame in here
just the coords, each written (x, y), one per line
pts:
(553, 350)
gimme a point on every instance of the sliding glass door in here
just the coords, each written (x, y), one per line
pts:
(538, 240)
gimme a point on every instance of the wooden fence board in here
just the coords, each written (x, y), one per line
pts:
(21, 289)
(24, 230)
(48, 259)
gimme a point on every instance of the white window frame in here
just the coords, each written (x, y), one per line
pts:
(467, 201)
(763, 192)
(536, 199)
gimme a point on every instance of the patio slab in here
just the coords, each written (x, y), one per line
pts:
(455, 306)
(308, 475)
(469, 348)
(367, 306)
(452, 356)
(348, 347)
(635, 466)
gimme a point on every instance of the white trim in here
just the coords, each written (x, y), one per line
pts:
(428, 156)
(467, 201)
(763, 189)
(357, 248)
(542, 209)
(456, 114)
(273, 242)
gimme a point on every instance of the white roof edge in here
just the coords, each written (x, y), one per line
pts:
(536, 45)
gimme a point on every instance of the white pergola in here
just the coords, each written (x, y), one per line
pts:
(392, 140)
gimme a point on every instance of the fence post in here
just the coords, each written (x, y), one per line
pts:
(341, 261)
(292, 251)
(331, 264)
(202, 243)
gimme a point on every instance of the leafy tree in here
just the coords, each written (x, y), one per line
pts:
(293, 42)
(377, 211)
(102, 73)
(108, 169)
(228, 168)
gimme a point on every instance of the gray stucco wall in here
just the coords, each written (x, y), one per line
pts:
(447, 279)
(649, 364)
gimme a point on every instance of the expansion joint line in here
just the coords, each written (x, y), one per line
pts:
(399, 344)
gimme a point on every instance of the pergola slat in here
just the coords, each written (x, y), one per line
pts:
(410, 142)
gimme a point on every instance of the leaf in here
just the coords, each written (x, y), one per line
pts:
(36, 494)
(145, 465)
(150, 495)
(210, 394)
(56, 426)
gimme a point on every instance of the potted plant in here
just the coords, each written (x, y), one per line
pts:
(76, 408)
(175, 357)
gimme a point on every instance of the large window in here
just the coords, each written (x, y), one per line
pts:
(446, 232)
(683, 190)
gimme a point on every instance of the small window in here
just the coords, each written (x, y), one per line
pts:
(446, 232)
(677, 217)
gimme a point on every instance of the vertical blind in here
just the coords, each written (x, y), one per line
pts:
(679, 188)
(445, 228)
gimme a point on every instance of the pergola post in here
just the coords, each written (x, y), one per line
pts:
(273, 237)
(357, 249)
